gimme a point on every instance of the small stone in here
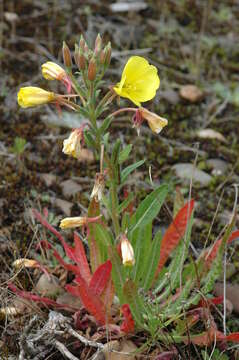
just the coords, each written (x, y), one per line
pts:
(186, 171)
(211, 134)
(49, 179)
(64, 205)
(171, 96)
(219, 166)
(68, 299)
(191, 93)
(70, 188)
(48, 285)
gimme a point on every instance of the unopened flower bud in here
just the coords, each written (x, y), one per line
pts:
(30, 96)
(98, 45)
(78, 221)
(66, 55)
(73, 145)
(76, 55)
(52, 71)
(92, 69)
(108, 53)
(98, 188)
(102, 56)
(24, 262)
(127, 251)
(82, 60)
(82, 43)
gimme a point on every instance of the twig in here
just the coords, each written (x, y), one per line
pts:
(83, 339)
(64, 351)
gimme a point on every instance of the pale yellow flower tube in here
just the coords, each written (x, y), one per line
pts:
(156, 122)
(30, 96)
(73, 222)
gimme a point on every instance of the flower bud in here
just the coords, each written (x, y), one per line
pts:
(82, 43)
(102, 57)
(52, 71)
(30, 96)
(108, 53)
(92, 69)
(82, 61)
(76, 55)
(66, 55)
(127, 251)
(24, 262)
(98, 45)
(73, 222)
(73, 145)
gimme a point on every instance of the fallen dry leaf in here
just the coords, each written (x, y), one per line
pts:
(191, 93)
(211, 134)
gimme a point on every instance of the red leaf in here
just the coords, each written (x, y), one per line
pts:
(29, 296)
(210, 255)
(88, 298)
(174, 233)
(233, 337)
(100, 278)
(213, 301)
(81, 258)
(107, 296)
(127, 325)
(69, 267)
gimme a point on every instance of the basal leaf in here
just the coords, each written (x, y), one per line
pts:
(118, 272)
(149, 208)
(100, 278)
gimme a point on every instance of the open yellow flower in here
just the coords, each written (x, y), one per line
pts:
(139, 81)
(52, 71)
(156, 122)
(30, 96)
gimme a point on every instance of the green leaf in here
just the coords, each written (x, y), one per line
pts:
(152, 261)
(149, 208)
(90, 142)
(129, 169)
(135, 301)
(141, 242)
(125, 203)
(103, 239)
(124, 154)
(105, 125)
(118, 273)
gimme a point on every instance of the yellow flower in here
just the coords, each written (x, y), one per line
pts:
(73, 222)
(127, 252)
(52, 71)
(72, 145)
(32, 96)
(156, 122)
(139, 81)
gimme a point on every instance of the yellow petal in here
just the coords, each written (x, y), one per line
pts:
(139, 81)
(52, 71)
(32, 96)
(72, 222)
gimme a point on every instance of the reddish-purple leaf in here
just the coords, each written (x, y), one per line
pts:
(127, 325)
(69, 267)
(174, 233)
(33, 297)
(100, 278)
(81, 258)
(88, 298)
(210, 255)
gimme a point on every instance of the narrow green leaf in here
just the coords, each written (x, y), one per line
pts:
(118, 273)
(151, 263)
(149, 208)
(141, 242)
(104, 239)
(125, 203)
(135, 301)
(105, 125)
(129, 169)
(124, 154)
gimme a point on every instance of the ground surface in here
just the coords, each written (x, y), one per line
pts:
(191, 42)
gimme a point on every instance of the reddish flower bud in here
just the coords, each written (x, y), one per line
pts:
(98, 45)
(108, 54)
(66, 55)
(92, 69)
(82, 43)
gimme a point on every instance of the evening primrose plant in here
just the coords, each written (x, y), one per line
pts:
(159, 286)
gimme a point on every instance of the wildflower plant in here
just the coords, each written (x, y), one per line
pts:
(159, 286)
